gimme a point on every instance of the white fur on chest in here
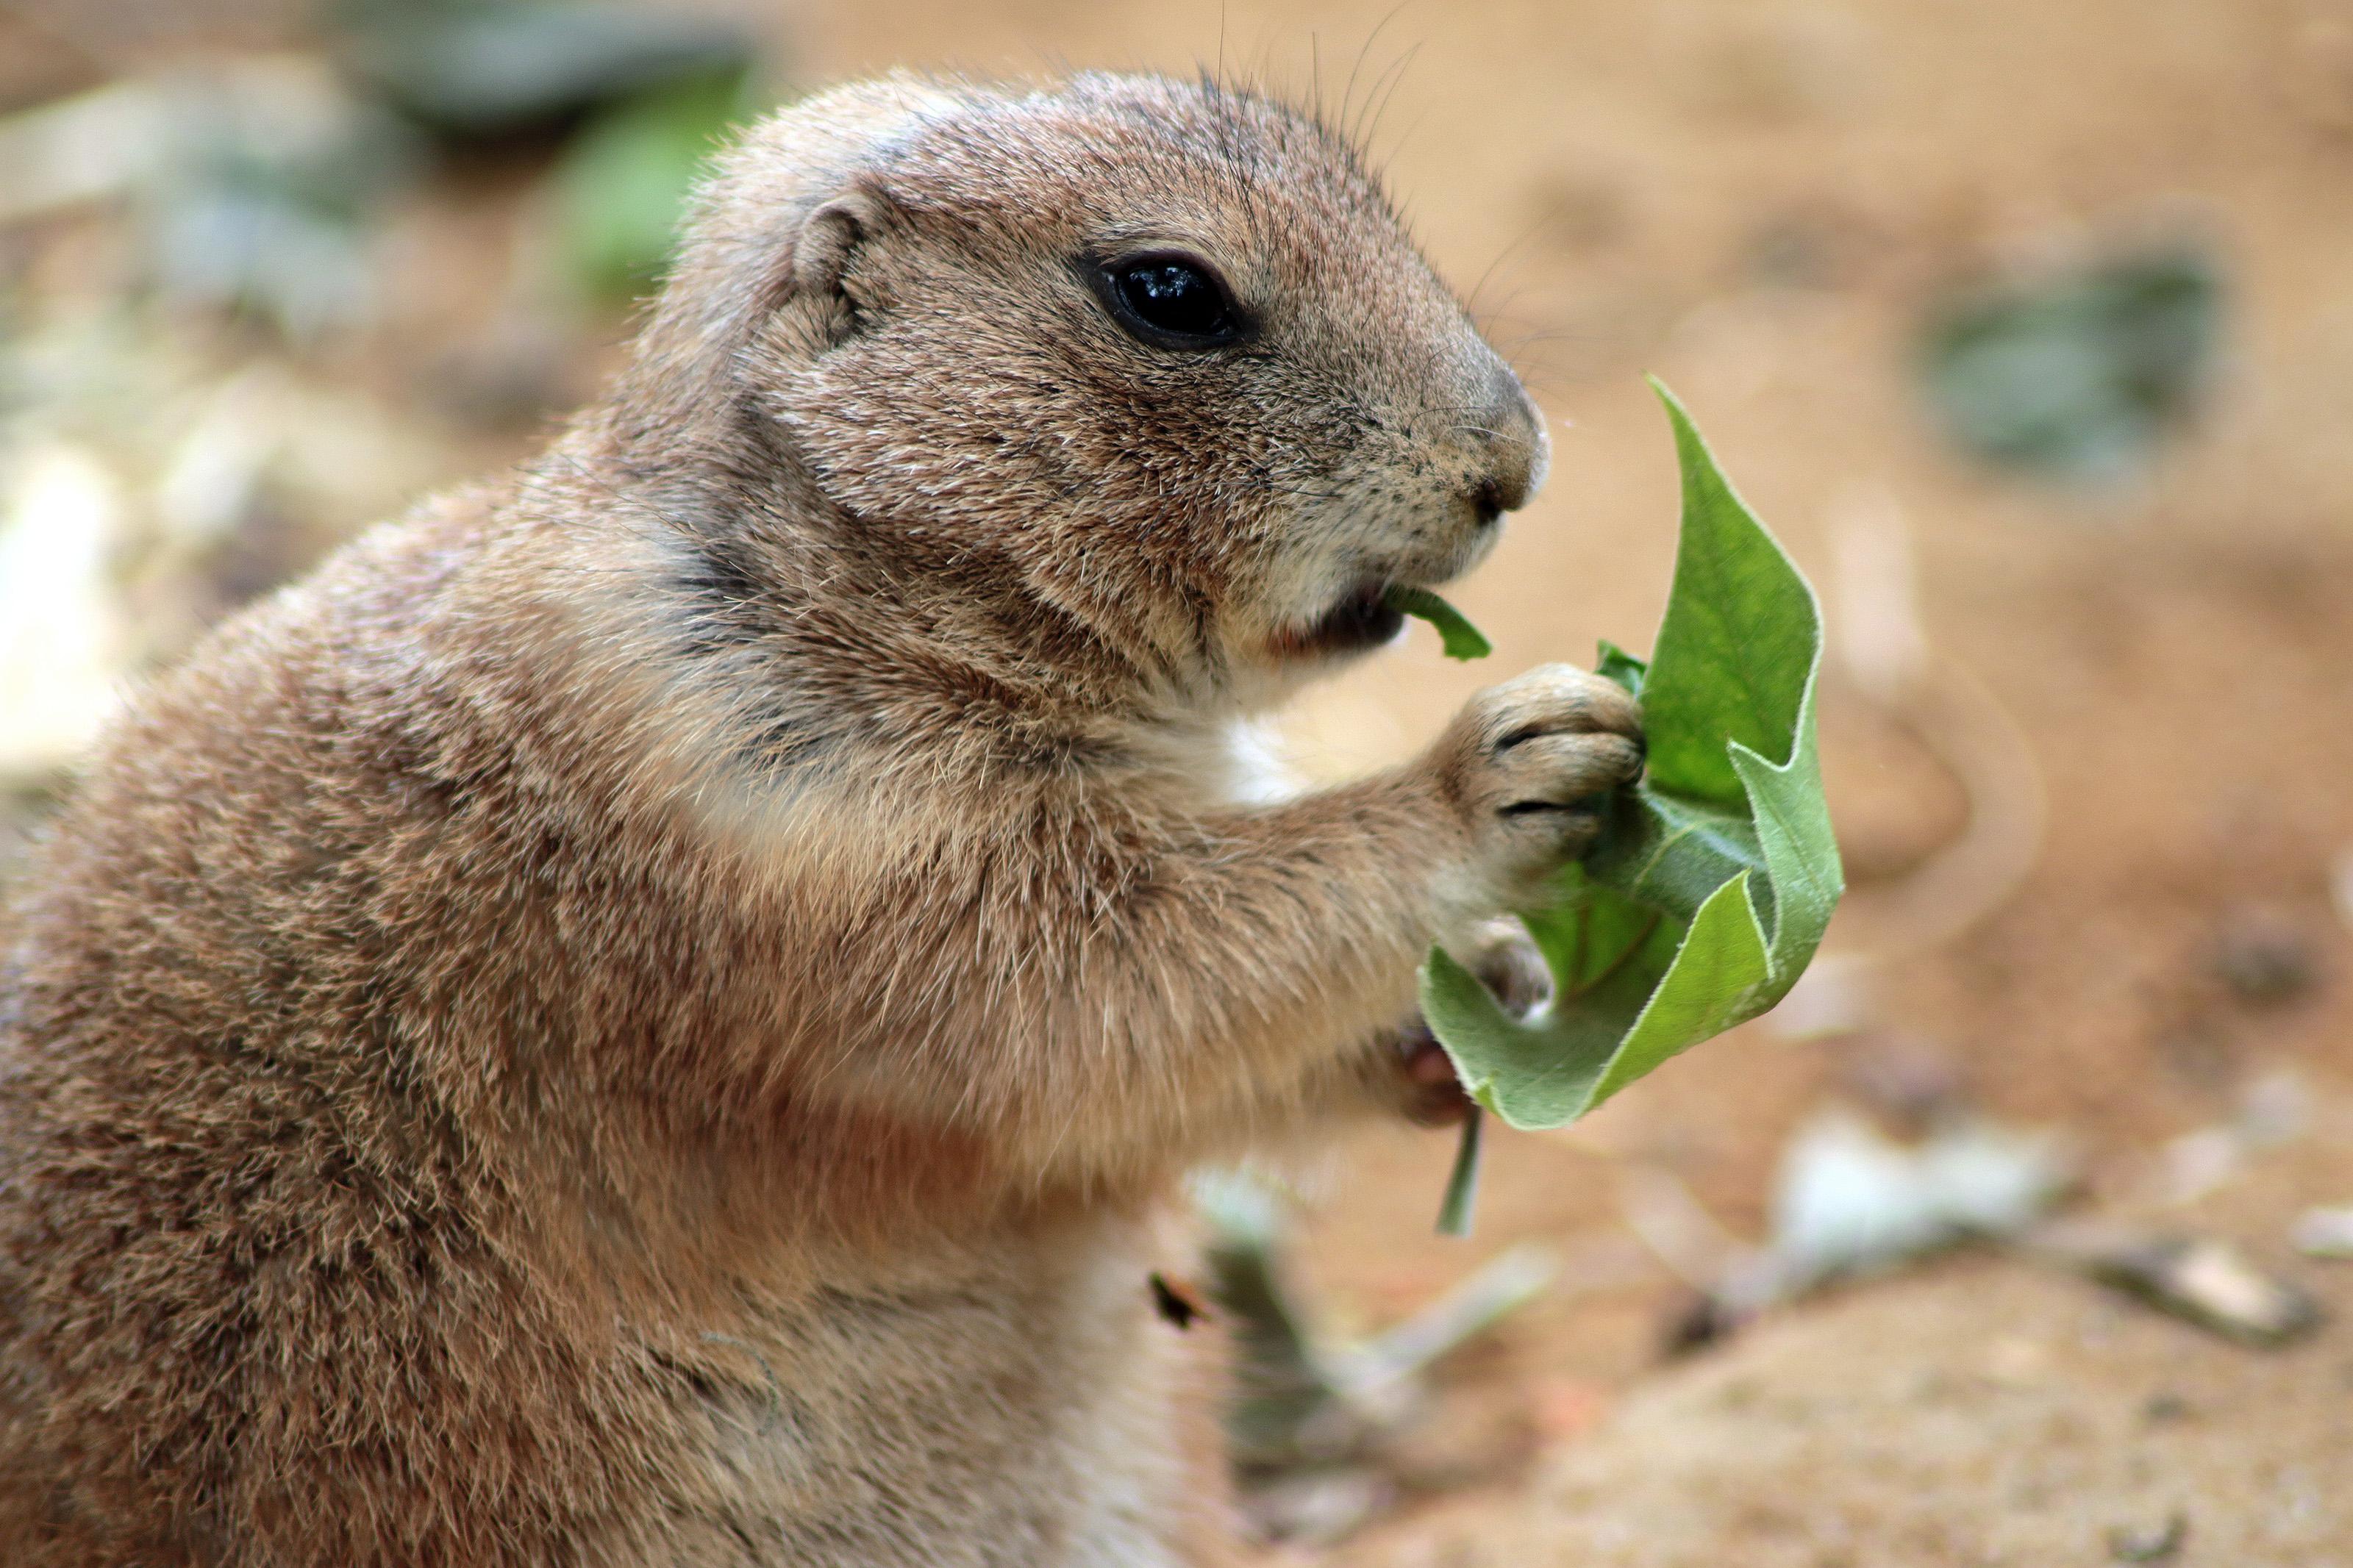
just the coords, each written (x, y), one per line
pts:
(1254, 770)
(1220, 763)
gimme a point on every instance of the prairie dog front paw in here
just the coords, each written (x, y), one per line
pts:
(1525, 767)
(1508, 964)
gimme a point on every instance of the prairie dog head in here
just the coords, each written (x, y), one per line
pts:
(1156, 357)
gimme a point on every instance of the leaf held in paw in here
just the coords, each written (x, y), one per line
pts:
(1715, 878)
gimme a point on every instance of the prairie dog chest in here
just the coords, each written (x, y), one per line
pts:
(1221, 764)
(1017, 1416)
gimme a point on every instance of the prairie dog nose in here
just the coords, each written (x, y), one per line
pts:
(1517, 448)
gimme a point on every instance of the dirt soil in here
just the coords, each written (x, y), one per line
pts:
(1756, 201)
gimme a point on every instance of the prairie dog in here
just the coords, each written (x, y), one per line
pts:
(650, 1013)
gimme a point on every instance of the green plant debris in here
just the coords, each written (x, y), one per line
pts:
(1456, 633)
(1713, 878)
(2076, 374)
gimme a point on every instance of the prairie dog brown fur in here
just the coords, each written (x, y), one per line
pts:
(648, 1014)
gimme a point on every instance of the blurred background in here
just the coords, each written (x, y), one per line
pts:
(2013, 1235)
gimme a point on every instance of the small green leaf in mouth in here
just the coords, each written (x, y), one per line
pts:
(1462, 639)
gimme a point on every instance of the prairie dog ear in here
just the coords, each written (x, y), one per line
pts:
(828, 242)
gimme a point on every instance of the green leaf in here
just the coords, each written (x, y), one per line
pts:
(1616, 664)
(1737, 651)
(1713, 878)
(1462, 639)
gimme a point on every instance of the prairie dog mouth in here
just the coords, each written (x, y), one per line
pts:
(1361, 621)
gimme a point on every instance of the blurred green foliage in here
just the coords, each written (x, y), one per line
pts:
(642, 97)
(476, 69)
(2076, 374)
(622, 183)
(265, 210)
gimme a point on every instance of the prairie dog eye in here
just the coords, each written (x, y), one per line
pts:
(1172, 301)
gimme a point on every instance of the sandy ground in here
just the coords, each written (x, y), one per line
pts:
(1756, 201)
(1984, 1411)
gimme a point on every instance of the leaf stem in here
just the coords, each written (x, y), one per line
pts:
(1462, 1185)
